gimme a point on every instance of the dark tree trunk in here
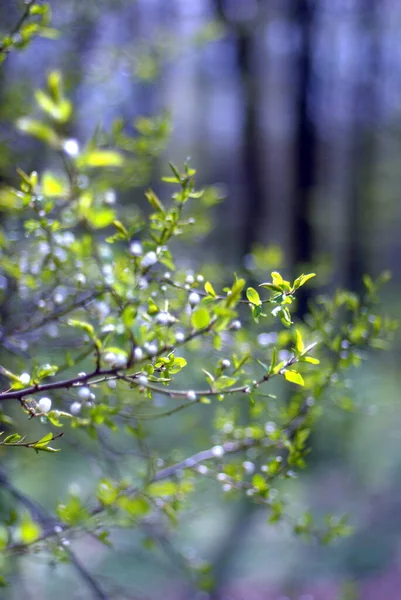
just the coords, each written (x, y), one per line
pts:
(243, 33)
(305, 142)
(363, 148)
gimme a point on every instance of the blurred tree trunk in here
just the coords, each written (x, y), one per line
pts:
(305, 143)
(243, 32)
(363, 150)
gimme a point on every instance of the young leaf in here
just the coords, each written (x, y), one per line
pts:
(294, 377)
(253, 296)
(200, 318)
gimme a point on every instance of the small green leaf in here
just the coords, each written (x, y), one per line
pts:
(38, 130)
(200, 318)
(310, 359)
(294, 377)
(12, 439)
(154, 201)
(253, 296)
(299, 345)
(209, 289)
(101, 158)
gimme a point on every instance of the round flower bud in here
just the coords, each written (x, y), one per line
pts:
(75, 408)
(149, 260)
(138, 353)
(109, 358)
(163, 318)
(135, 248)
(179, 337)
(193, 298)
(225, 363)
(152, 349)
(44, 405)
(84, 393)
(25, 378)
(236, 325)
(218, 451)
(248, 466)
(71, 147)
(111, 384)
(190, 279)
(120, 361)
(191, 396)
(143, 380)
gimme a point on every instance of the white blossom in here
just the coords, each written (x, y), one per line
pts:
(135, 248)
(45, 404)
(194, 298)
(218, 451)
(149, 259)
(84, 393)
(75, 408)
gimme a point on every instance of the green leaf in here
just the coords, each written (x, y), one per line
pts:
(299, 345)
(136, 507)
(200, 318)
(178, 364)
(46, 371)
(209, 289)
(100, 217)
(44, 440)
(52, 186)
(302, 279)
(253, 296)
(38, 130)
(12, 439)
(87, 327)
(294, 377)
(154, 201)
(29, 531)
(58, 111)
(101, 158)
(277, 279)
(310, 359)
(106, 492)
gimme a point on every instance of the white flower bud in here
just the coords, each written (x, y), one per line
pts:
(71, 147)
(192, 397)
(25, 378)
(120, 361)
(225, 363)
(111, 384)
(152, 349)
(194, 299)
(135, 248)
(149, 260)
(109, 358)
(200, 278)
(248, 466)
(44, 405)
(143, 380)
(218, 451)
(236, 325)
(179, 337)
(190, 279)
(138, 353)
(163, 318)
(75, 408)
(84, 393)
